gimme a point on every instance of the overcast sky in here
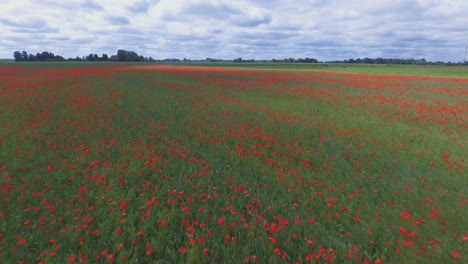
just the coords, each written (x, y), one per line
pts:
(258, 29)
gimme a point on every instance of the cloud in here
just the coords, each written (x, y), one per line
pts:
(73, 4)
(139, 6)
(326, 30)
(209, 10)
(118, 20)
(252, 22)
(24, 23)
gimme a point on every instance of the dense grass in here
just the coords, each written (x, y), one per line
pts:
(457, 71)
(167, 164)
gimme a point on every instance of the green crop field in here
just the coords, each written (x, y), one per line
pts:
(135, 163)
(456, 71)
(406, 70)
(460, 71)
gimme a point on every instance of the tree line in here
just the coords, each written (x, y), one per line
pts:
(349, 61)
(43, 56)
(131, 56)
(383, 61)
(122, 55)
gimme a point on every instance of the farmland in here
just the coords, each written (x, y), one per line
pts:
(180, 164)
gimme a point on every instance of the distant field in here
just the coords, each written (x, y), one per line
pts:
(406, 70)
(140, 163)
(416, 70)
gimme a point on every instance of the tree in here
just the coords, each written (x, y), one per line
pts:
(105, 57)
(58, 58)
(367, 60)
(46, 56)
(25, 55)
(123, 55)
(39, 56)
(18, 56)
(49, 55)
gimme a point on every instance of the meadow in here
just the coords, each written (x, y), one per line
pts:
(186, 164)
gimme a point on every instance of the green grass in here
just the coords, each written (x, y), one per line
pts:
(405, 70)
(269, 166)
(454, 71)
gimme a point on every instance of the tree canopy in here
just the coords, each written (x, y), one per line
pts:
(43, 56)
(122, 55)
(131, 56)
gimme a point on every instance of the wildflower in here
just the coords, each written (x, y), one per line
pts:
(71, 259)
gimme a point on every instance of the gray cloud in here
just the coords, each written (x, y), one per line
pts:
(24, 23)
(38, 30)
(73, 4)
(118, 20)
(209, 10)
(252, 22)
(139, 6)
(91, 5)
(322, 29)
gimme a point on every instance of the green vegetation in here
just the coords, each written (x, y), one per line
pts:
(459, 71)
(453, 71)
(166, 164)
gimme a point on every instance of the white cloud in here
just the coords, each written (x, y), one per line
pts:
(327, 30)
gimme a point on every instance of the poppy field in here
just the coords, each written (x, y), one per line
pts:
(179, 164)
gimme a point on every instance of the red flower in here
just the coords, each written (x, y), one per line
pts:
(284, 222)
(277, 251)
(357, 218)
(456, 254)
